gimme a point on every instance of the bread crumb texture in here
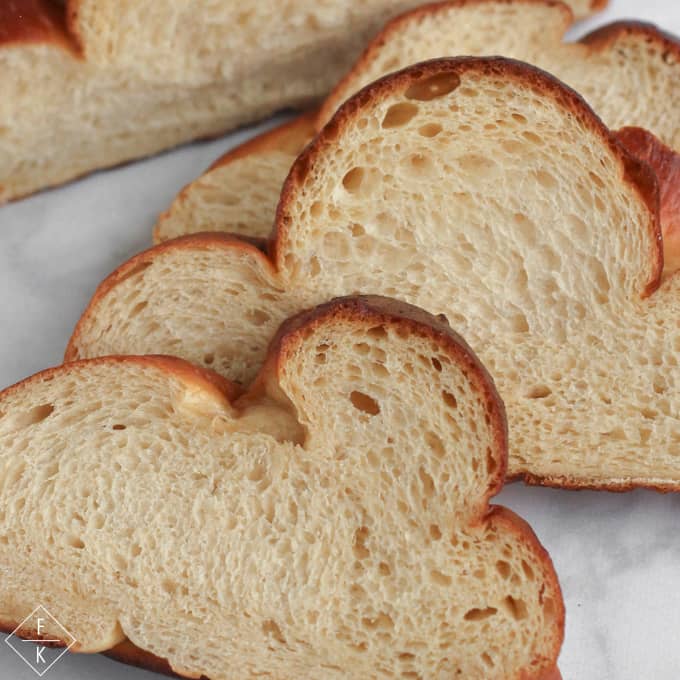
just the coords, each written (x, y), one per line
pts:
(333, 521)
(481, 189)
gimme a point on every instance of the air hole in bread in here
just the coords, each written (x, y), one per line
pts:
(546, 180)
(440, 579)
(208, 359)
(381, 622)
(435, 532)
(257, 473)
(271, 629)
(169, 586)
(519, 323)
(257, 317)
(449, 400)
(517, 609)
(528, 571)
(487, 660)
(139, 307)
(437, 364)
(533, 138)
(503, 568)
(377, 333)
(361, 552)
(435, 443)
(427, 482)
(469, 92)
(364, 403)
(316, 209)
(539, 392)
(476, 614)
(519, 118)
(353, 179)
(75, 542)
(384, 569)
(436, 86)
(32, 417)
(357, 230)
(430, 130)
(406, 657)
(119, 426)
(399, 115)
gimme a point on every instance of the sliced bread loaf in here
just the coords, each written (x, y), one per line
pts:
(628, 72)
(483, 189)
(332, 521)
(67, 108)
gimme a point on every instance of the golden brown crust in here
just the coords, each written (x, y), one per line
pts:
(187, 372)
(571, 484)
(666, 165)
(638, 175)
(199, 241)
(397, 24)
(34, 21)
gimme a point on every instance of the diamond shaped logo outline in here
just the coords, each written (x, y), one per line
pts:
(12, 637)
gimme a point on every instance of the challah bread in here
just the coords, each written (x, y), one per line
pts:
(332, 521)
(483, 189)
(239, 192)
(105, 114)
(609, 68)
(615, 68)
(157, 39)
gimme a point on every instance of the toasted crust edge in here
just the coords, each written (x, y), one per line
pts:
(636, 173)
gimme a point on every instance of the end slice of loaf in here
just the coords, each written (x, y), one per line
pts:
(333, 520)
(483, 189)
(239, 192)
(628, 72)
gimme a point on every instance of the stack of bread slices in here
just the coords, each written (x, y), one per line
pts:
(267, 431)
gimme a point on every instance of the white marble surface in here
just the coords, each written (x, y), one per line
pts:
(618, 556)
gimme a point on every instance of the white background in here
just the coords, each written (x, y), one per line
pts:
(618, 556)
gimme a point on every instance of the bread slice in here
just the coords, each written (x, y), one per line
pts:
(609, 67)
(332, 521)
(615, 68)
(483, 189)
(239, 192)
(158, 39)
(55, 88)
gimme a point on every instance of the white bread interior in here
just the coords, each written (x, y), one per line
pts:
(482, 189)
(239, 193)
(628, 72)
(332, 521)
(208, 40)
(62, 114)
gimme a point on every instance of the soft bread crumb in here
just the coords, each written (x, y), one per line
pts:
(366, 548)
